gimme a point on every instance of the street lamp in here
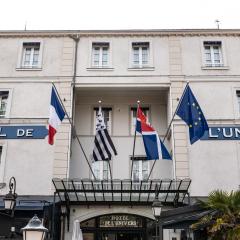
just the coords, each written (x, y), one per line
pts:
(34, 230)
(157, 210)
(10, 198)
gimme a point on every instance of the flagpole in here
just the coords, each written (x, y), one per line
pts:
(134, 141)
(74, 130)
(110, 170)
(169, 126)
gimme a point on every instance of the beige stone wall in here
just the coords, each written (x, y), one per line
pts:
(179, 135)
(63, 138)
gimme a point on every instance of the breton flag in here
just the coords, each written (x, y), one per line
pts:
(190, 112)
(103, 145)
(56, 116)
(154, 147)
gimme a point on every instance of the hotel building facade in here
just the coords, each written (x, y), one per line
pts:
(119, 68)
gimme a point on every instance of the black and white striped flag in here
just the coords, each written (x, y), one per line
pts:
(103, 145)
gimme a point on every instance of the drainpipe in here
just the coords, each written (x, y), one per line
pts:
(76, 39)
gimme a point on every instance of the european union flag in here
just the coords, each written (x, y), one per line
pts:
(191, 113)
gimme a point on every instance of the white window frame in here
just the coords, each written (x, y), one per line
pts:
(100, 165)
(20, 65)
(223, 56)
(140, 54)
(238, 102)
(91, 66)
(109, 127)
(3, 160)
(211, 45)
(9, 99)
(140, 169)
(235, 101)
(100, 59)
(133, 120)
(140, 66)
(6, 103)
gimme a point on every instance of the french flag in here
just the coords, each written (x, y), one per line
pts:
(56, 116)
(154, 147)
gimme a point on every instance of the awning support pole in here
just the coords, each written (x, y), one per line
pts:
(53, 216)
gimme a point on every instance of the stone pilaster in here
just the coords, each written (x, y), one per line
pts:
(179, 134)
(62, 143)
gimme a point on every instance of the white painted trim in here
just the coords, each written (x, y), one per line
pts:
(130, 54)
(9, 101)
(223, 54)
(3, 160)
(20, 54)
(90, 54)
(99, 165)
(110, 129)
(236, 107)
(140, 168)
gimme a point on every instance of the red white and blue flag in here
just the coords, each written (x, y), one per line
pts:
(56, 116)
(154, 147)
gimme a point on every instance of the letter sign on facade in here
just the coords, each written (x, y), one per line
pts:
(23, 132)
(222, 133)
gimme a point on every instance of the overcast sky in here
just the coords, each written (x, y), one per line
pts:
(118, 14)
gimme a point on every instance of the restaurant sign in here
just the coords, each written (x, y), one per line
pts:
(119, 221)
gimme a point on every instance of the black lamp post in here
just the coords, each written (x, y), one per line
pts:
(10, 198)
(34, 230)
(157, 210)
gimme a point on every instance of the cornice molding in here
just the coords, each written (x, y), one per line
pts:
(121, 33)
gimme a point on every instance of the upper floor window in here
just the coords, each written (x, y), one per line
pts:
(107, 116)
(30, 55)
(133, 117)
(140, 54)
(100, 54)
(238, 98)
(1, 148)
(3, 103)
(213, 54)
(101, 170)
(140, 170)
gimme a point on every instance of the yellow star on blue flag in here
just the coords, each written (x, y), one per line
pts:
(190, 112)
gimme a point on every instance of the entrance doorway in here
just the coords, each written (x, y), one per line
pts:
(121, 236)
(117, 227)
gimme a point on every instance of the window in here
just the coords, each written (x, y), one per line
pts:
(30, 55)
(238, 98)
(1, 148)
(2, 161)
(3, 103)
(140, 169)
(213, 54)
(140, 54)
(100, 54)
(101, 170)
(107, 116)
(133, 117)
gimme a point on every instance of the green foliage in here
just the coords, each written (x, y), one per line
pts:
(223, 223)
